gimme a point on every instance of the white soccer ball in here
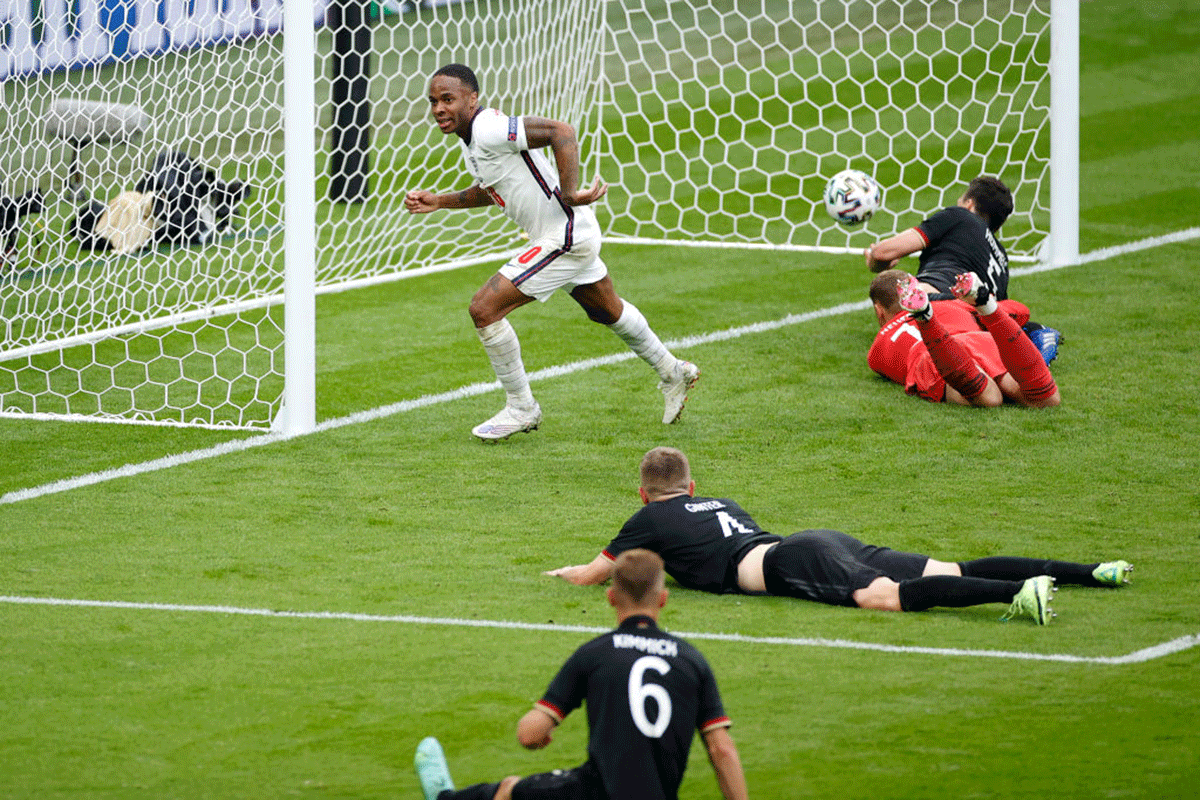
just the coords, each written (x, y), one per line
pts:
(852, 196)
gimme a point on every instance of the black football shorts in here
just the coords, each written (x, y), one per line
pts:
(830, 566)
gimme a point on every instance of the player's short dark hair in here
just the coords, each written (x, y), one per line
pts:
(665, 470)
(993, 200)
(638, 574)
(463, 73)
(884, 290)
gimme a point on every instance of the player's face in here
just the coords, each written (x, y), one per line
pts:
(452, 104)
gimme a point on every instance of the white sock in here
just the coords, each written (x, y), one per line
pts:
(504, 351)
(633, 329)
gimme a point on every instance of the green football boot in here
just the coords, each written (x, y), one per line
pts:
(1033, 600)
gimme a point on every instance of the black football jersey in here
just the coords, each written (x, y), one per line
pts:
(957, 241)
(647, 693)
(700, 539)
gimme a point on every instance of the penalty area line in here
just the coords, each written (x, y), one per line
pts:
(473, 390)
(1136, 657)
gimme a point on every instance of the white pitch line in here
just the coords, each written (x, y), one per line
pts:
(1136, 657)
(475, 389)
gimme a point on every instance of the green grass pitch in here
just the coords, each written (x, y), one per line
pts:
(408, 515)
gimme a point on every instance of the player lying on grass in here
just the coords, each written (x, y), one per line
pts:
(636, 749)
(503, 155)
(713, 545)
(970, 351)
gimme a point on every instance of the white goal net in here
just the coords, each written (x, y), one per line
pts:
(714, 122)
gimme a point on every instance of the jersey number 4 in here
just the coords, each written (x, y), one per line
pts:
(639, 692)
(729, 525)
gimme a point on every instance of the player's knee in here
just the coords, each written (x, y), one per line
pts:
(882, 595)
(481, 313)
(875, 602)
(992, 396)
(598, 307)
(1051, 401)
(598, 313)
(602, 316)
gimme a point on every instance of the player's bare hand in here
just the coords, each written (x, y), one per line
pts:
(572, 574)
(587, 196)
(419, 201)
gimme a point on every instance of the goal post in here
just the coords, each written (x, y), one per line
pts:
(714, 123)
(1062, 245)
(297, 413)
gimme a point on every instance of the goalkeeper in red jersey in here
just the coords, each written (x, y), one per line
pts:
(970, 351)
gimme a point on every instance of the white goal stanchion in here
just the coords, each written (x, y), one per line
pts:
(713, 122)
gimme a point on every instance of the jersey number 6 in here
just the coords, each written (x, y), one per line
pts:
(639, 692)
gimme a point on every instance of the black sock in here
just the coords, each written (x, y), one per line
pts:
(953, 591)
(1012, 568)
(479, 791)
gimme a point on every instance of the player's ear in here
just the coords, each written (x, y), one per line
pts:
(880, 314)
(612, 597)
(691, 488)
(662, 598)
(642, 494)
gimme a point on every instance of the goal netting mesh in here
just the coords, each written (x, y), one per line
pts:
(713, 122)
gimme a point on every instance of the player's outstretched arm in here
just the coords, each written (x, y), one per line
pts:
(596, 572)
(884, 255)
(560, 138)
(419, 201)
(723, 754)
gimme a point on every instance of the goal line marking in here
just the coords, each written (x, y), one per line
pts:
(1136, 657)
(475, 389)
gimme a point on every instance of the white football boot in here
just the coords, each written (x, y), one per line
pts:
(675, 390)
(510, 420)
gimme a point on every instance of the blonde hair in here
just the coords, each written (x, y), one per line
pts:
(665, 470)
(638, 576)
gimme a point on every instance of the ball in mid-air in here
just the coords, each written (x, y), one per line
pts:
(852, 196)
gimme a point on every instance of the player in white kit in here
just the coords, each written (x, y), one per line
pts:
(503, 156)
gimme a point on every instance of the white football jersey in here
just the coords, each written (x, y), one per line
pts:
(523, 182)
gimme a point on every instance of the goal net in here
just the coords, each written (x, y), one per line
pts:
(713, 122)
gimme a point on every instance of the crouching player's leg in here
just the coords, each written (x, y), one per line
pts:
(582, 783)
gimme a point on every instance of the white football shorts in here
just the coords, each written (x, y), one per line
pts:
(546, 266)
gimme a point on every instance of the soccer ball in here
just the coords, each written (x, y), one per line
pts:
(852, 196)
